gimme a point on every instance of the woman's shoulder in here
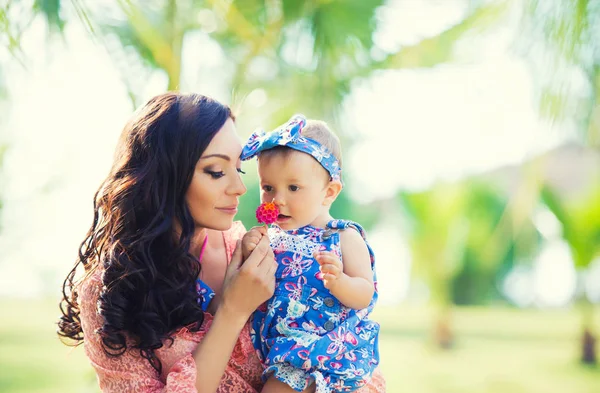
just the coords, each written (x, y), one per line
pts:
(88, 292)
(130, 365)
(88, 288)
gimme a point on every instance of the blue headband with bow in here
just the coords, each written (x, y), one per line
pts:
(289, 135)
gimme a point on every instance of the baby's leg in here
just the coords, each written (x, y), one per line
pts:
(274, 385)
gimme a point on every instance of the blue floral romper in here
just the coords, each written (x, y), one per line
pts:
(305, 333)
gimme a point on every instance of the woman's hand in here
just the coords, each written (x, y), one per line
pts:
(249, 283)
(246, 286)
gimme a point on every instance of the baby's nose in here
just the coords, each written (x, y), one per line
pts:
(278, 200)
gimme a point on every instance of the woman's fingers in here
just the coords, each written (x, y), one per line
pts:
(236, 257)
(250, 282)
(270, 276)
(246, 288)
(274, 267)
(269, 267)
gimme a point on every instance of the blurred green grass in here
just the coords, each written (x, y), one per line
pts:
(497, 351)
(32, 359)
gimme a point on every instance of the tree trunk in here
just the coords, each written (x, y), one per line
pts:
(588, 338)
(441, 298)
(588, 348)
(443, 334)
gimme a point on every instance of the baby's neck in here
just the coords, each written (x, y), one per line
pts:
(322, 220)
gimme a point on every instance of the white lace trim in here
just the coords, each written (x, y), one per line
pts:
(297, 378)
(293, 243)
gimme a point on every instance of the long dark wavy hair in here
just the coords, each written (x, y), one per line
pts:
(148, 273)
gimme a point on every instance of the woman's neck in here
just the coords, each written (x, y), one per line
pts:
(200, 236)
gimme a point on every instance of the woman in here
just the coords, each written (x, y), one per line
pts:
(165, 300)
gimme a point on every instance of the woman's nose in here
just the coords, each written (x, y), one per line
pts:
(238, 187)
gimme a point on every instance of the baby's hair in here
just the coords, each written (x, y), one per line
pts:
(316, 130)
(319, 131)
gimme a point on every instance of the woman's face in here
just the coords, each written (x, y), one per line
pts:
(214, 192)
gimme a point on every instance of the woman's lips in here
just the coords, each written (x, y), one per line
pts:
(228, 210)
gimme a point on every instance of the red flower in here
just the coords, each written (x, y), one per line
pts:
(267, 213)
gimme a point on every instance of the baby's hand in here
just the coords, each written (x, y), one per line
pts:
(251, 240)
(331, 268)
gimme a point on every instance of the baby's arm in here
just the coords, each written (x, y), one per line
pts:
(351, 284)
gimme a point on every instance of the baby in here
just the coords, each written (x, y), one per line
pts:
(315, 330)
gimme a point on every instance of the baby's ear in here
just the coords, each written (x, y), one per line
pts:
(332, 191)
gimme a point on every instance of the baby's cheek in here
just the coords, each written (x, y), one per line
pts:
(264, 197)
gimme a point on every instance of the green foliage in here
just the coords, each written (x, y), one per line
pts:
(315, 49)
(432, 51)
(340, 29)
(580, 219)
(249, 203)
(474, 283)
(3, 149)
(461, 241)
(492, 247)
(346, 208)
(51, 10)
(437, 233)
(561, 36)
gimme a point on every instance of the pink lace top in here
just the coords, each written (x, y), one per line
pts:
(132, 373)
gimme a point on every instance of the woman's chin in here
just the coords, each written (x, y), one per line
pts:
(224, 227)
(221, 225)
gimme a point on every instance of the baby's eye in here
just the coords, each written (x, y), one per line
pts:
(267, 188)
(294, 188)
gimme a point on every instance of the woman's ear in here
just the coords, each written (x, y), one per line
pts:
(333, 189)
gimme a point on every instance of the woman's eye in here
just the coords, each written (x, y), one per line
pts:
(241, 171)
(216, 175)
(294, 188)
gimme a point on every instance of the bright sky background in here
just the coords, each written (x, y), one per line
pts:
(417, 126)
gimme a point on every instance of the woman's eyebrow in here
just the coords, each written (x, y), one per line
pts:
(223, 156)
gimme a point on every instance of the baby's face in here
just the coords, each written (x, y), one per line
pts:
(297, 184)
